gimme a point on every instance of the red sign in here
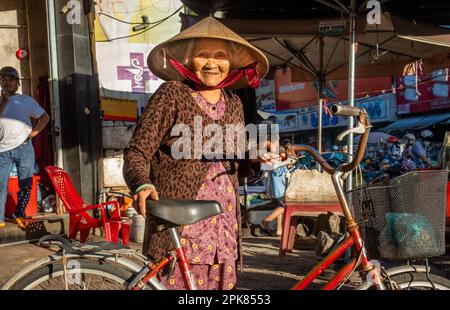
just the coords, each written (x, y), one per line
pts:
(289, 95)
(431, 93)
(22, 54)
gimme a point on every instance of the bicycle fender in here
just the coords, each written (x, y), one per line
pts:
(56, 257)
(394, 271)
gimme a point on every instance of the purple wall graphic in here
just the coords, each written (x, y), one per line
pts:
(137, 72)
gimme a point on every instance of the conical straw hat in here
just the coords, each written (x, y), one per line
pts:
(242, 55)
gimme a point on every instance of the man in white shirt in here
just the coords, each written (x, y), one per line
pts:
(16, 132)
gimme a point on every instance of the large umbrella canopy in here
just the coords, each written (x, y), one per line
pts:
(325, 39)
(390, 48)
(375, 137)
(427, 11)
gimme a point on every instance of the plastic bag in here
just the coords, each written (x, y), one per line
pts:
(409, 236)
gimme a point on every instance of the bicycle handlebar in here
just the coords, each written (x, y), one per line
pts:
(345, 110)
(363, 118)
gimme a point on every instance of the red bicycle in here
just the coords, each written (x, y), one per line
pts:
(111, 266)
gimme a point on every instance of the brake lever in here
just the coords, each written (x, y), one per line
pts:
(359, 129)
(289, 161)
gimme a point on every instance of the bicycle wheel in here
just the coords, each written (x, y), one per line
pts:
(419, 281)
(81, 274)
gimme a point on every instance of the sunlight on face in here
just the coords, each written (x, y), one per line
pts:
(9, 84)
(210, 61)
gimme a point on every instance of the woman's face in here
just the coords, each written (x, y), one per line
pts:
(210, 61)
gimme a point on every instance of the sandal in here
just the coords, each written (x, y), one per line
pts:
(20, 221)
(264, 227)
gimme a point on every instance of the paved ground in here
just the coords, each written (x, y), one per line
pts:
(13, 258)
(264, 269)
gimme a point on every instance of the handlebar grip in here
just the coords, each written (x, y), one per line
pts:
(345, 110)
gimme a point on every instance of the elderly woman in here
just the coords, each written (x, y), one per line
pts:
(199, 63)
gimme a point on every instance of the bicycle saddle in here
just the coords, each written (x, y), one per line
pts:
(183, 212)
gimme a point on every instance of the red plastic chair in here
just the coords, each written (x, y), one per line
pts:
(292, 212)
(80, 220)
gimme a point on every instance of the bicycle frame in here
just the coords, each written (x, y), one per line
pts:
(353, 240)
(179, 256)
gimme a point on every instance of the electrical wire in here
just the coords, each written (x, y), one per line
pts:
(117, 19)
(151, 23)
(131, 35)
(135, 11)
(139, 33)
(424, 81)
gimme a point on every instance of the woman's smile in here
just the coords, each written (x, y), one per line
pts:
(210, 61)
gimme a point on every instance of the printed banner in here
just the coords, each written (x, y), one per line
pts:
(122, 51)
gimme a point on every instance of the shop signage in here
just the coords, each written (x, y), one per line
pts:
(285, 121)
(380, 109)
(266, 87)
(288, 122)
(376, 108)
(136, 72)
(269, 105)
(121, 52)
(332, 27)
(327, 120)
(432, 93)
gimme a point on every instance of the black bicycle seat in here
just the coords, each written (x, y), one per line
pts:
(183, 212)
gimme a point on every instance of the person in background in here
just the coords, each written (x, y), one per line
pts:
(394, 149)
(419, 150)
(394, 156)
(408, 163)
(336, 158)
(18, 113)
(345, 149)
(275, 182)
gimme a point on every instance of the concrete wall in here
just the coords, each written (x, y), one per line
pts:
(38, 41)
(78, 95)
(13, 34)
(23, 24)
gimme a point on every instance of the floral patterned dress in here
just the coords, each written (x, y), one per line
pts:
(211, 245)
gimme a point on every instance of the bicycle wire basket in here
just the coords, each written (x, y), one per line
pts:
(405, 218)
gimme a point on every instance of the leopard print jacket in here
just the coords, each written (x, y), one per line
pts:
(147, 157)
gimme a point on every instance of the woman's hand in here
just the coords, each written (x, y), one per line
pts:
(270, 158)
(142, 196)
